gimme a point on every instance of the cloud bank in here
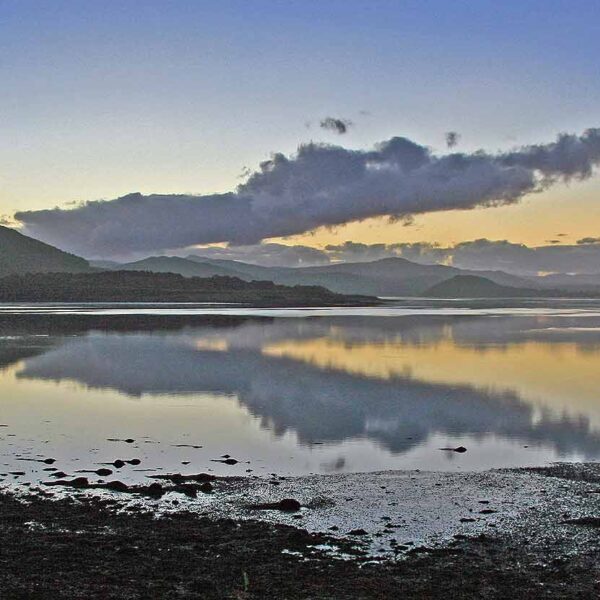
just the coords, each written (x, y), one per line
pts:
(321, 185)
(266, 255)
(483, 254)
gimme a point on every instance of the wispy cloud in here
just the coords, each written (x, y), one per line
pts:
(340, 126)
(452, 139)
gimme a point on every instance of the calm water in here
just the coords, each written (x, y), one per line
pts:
(305, 391)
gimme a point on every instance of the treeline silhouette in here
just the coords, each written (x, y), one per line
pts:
(140, 286)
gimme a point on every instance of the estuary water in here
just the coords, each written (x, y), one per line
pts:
(298, 391)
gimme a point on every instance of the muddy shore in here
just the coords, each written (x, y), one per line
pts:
(545, 543)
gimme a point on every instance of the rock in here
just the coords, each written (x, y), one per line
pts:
(285, 505)
(134, 461)
(129, 441)
(589, 521)
(467, 520)
(289, 505)
(80, 482)
(188, 490)
(179, 478)
(118, 464)
(116, 486)
(357, 532)
(59, 474)
(155, 489)
(49, 461)
(227, 461)
(103, 472)
(206, 488)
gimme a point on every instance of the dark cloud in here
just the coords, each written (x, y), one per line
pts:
(340, 126)
(452, 139)
(321, 185)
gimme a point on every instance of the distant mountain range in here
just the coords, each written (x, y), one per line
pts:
(387, 277)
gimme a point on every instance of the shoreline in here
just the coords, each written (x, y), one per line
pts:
(538, 540)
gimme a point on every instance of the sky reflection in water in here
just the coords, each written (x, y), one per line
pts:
(301, 395)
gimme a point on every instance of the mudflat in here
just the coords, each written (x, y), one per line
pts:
(80, 544)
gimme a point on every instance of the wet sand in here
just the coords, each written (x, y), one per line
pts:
(498, 534)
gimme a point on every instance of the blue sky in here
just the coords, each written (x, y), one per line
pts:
(104, 98)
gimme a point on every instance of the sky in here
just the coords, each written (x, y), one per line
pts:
(102, 100)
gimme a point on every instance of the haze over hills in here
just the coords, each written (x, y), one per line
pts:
(22, 254)
(390, 277)
(384, 277)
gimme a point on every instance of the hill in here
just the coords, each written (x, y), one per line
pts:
(385, 277)
(181, 266)
(20, 254)
(139, 286)
(471, 286)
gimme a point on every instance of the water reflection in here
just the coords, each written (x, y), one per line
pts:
(401, 384)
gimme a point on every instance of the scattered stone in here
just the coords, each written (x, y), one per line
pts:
(357, 532)
(588, 521)
(178, 478)
(285, 505)
(206, 488)
(155, 489)
(289, 505)
(116, 486)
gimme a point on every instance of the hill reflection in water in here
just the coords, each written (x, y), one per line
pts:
(398, 387)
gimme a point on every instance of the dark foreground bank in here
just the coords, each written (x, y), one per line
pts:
(142, 286)
(83, 547)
